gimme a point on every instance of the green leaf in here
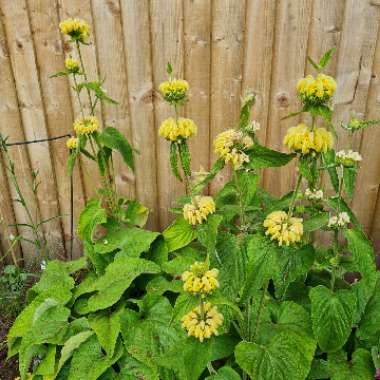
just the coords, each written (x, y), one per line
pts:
(364, 261)
(107, 328)
(76, 265)
(189, 357)
(262, 264)
(316, 222)
(179, 234)
(49, 323)
(169, 68)
(370, 322)
(185, 157)
(225, 373)
(314, 64)
(132, 242)
(286, 356)
(113, 139)
(117, 279)
(71, 345)
(132, 369)
(89, 362)
(173, 158)
(308, 168)
(208, 232)
(349, 177)
(59, 74)
(329, 161)
(182, 262)
(326, 58)
(359, 368)
(90, 217)
(247, 186)
(71, 161)
(47, 365)
(332, 316)
(262, 157)
(160, 285)
(96, 87)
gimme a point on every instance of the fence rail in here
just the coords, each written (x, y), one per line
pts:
(222, 47)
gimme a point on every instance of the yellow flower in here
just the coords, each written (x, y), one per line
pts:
(302, 139)
(174, 90)
(283, 228)
(72, 65)
(200, 279)
(198, 210)
(174, 131)
(203, 321)
(316, 90)
(76, 28)
(72, 143)
(230, 145)
(86, 125)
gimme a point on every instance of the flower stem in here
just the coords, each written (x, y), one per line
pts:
(295, 194)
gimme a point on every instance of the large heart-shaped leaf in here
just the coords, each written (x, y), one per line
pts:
(332, 315)
(287, 355)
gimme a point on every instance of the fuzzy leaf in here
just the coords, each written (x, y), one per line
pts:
(131, 241)
(107, 328)
(359, 368)
(370, 322)
(179, 234)
(185, 157)
(173, 158)
(90, 217)
(364, 261)
(329, 161)
(71, 345)
(262, 157)
(225, 373)
(349, 177)
(113, 139)
(286, 356)
(117, 279)
(332, 316)
(316, 222)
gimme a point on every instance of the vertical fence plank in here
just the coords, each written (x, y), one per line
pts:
(167, 46)
(355, 60)
(28, 90)
(228, 22)
(135, 16)
(292, 21)
(258, 48)
(197, 35)
(56, 97)
(11, 127)
(367, 191)
(82, 9)
(109, 38)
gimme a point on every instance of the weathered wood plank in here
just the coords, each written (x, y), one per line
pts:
(109, 38)
(292, 23)
(27, 81)
(228, 23)
(167, 46)
(58, 109)
(135, 16)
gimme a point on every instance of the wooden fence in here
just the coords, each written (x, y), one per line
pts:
(222, 47)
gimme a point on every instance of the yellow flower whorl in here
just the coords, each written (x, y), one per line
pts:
(302, 139)
(182, 129)
(198, 210)
(200, 279)
(72, 143)
(86, 125)
(174, 90)
(316, 90)
(202, 327)
(230, 144)
(76, 28)
(72, 65)
(283, 228)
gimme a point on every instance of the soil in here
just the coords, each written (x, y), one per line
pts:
(8, 368)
